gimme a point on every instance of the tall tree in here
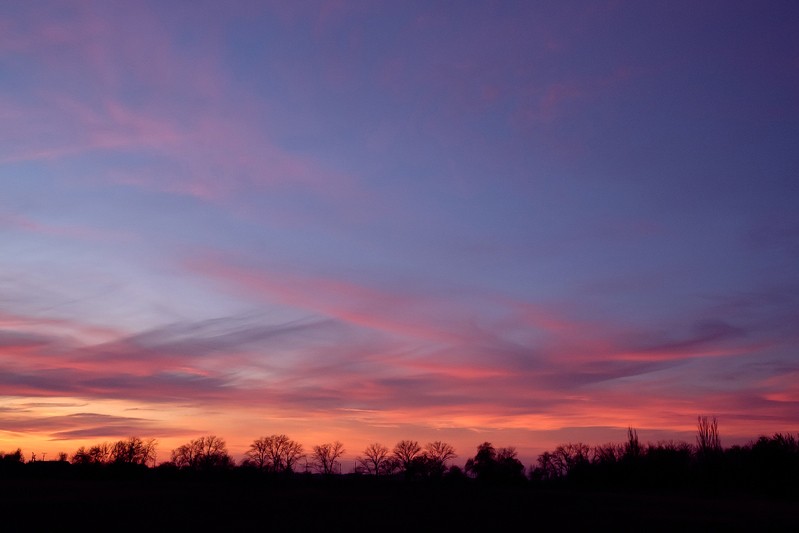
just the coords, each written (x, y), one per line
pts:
(376, 460)
(133, 450)
(275, 453)
(405, 452)
(484, 462)
(258, 454)
(707, 435)
(325, 457)
(205, 453)
(437, 454)
(97, 454)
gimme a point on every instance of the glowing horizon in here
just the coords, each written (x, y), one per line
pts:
(521, 224)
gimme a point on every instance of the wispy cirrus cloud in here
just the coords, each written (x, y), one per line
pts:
(365, 347)
(177, 150)
(569, 363)
(84, 425)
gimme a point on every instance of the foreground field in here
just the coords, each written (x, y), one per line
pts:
(362, 504)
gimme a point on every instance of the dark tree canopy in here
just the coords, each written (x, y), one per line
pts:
(490, 464)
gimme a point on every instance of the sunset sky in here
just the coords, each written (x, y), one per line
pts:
(522, 222)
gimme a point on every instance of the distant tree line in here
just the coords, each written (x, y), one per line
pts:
(768, 465)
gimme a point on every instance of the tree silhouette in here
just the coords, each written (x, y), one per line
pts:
(707, 436)
(607, 454)
(275, 453)
(325, 457)
(406, 452)
(376, 460)
(82, 456)
(133, 451)
(773, 463)
(258, 454)
(632, 448)
(436, 455)
(97, 454)
(483, 462)
(15, 457)
(205, 453)
(564, 460)
(490, 464)
(11, 463)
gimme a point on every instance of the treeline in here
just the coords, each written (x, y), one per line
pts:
(274, 454)
(768, 465)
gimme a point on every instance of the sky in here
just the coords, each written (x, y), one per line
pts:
(527, 223)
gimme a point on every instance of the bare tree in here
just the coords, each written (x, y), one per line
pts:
(707, 436)
(609, 453)
(133, 451)
(258, 454)
(405, 452)
(204, 453)
(325, 457)
(275, 453)
(376, 460)
(97, 454)
(437, 454)
(285, 453)
(564, 459)
(185, 456)
(632, 448)
(81, 456)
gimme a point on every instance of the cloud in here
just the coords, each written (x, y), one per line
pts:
(564, 358)
(130, 102)
(52, 404)
(83, 425)
(702, 333)
(21, 340)
(396, 357)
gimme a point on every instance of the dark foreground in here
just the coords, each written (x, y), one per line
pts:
(362, 504)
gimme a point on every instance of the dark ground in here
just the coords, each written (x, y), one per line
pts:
(361, 504)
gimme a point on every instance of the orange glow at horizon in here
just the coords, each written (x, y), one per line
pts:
(530, 434)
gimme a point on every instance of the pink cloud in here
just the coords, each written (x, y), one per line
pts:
(352, 303)
(215, 155)
(57, 326)
(391, 359)
(368, 382)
